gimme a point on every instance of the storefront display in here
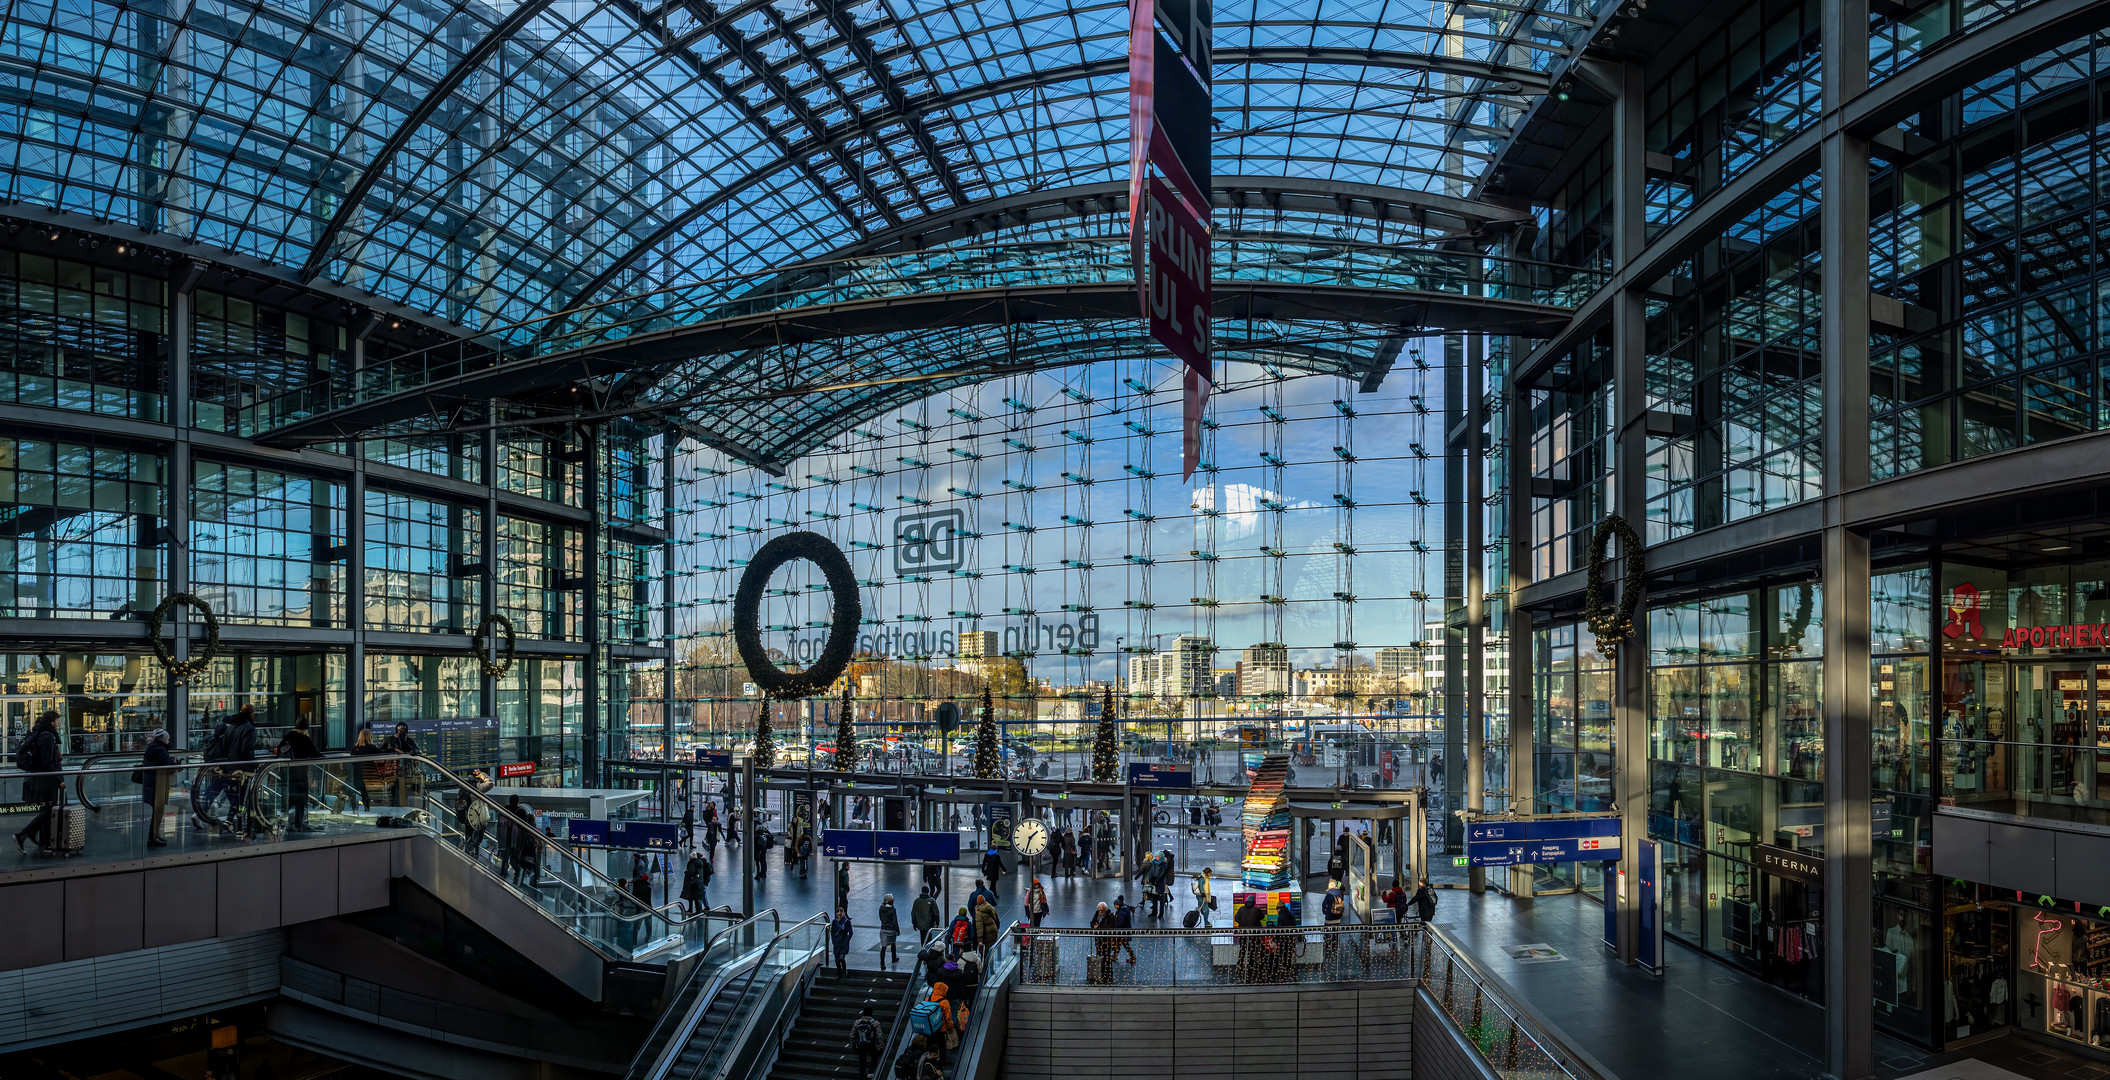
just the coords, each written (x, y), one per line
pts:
(2063, 962)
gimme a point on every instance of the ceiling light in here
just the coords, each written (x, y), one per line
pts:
(54, 235)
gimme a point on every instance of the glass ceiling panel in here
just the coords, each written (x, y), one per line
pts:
(493, 162)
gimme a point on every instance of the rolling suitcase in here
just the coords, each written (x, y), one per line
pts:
(69, 827)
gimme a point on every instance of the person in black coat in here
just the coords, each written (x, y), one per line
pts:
(156, 774)
(993, 869)
(297, 745)
(39, 754)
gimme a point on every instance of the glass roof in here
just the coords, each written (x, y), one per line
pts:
(491, 163)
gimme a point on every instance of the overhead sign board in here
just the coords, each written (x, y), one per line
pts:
(1157, 775)
(710, 760)
(891, 846)
(1514, 843)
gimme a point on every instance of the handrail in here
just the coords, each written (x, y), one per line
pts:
(678, 1025)
(818, 919)
(994, 974)
(563, 852)
(1525, 1022)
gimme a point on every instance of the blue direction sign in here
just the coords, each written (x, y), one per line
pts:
(1155, 775)
(641, 835)
(1511, 843)
(714, 761)
(890, 846)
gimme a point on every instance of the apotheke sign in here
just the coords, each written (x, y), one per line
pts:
(1965, 620)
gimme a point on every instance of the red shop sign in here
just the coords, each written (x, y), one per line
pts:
(517, 768)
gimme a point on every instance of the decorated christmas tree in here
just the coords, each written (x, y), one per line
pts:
(765, 751)
(846, 733)
(988, 759)
(1106, 744)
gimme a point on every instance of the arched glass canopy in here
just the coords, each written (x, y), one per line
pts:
(491, 163)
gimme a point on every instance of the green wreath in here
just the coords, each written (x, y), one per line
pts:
(1611, 627)
(480, 640)
(183, 670)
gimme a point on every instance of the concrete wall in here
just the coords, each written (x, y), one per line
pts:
(80, 998)
(2069, 863)
(91, 910)
(1338, 1032)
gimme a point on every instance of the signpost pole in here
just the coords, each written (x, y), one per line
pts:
(747, 842)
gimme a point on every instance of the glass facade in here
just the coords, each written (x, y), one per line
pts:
(82, 337)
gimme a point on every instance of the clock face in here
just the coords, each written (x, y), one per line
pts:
(1030, 837)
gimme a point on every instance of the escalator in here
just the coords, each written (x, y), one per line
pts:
(727, 1028)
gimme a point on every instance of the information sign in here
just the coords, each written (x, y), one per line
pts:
(1159, 775)
(891, 846)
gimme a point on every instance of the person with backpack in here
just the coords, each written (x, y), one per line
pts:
(923, 914)
(889, 932)
(909, 1066)
(1125, 919)
(952, 1020)
(961, 934)
(696, 882)
(1335, 908)
(1425, 901)
(39, 757)
(864, 1039)
(156, 775)
(805, 853)
(233, 746)
(764, 840)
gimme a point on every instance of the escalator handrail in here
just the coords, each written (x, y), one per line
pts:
(747, 986)
(978, 1016)
(898, 1035)
(564, 852)
(80, 779)
(679, 1025)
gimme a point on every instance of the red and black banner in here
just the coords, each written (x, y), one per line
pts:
(1168, 218)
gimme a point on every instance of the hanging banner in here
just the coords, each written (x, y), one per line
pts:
(1170, 127)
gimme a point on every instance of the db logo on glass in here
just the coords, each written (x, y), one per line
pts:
(931, 543)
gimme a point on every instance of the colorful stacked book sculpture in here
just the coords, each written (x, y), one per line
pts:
(1266, 871)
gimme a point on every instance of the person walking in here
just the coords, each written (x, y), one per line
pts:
(923, 915)
(961, 933)
(889, 932)
(839, 933)
(641, 888)
(156, 775)
(864, 1039)
(993, 870)
(407, 778)
(981, 892)
(1125, 919)
(1335, 909)
(710, 827)
(1245, 922)
(1425, 901)
(696, 882)
(363, 746)
(39, 756)
(297, 745)
(1104, 946)
(985, 925)
(1036, 904)
(1084, 849)
(1204, 896)
(1069, 853)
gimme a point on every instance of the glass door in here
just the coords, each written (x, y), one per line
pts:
(2054, 704)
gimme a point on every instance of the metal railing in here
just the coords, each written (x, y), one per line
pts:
(1514, 1041)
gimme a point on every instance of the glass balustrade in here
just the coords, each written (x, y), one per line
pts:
(199, 807)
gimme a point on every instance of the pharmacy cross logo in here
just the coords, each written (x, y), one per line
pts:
(1963, 613)
(931, 543)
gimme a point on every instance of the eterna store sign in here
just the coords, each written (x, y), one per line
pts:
(1788, 864)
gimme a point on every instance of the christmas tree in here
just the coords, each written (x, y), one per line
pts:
(765, 751)
(988, 759)
(1106, 745)
(846, 733)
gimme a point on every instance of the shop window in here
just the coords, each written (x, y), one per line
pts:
(1979, 995)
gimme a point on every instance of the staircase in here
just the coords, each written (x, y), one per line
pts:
(818, 1047)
